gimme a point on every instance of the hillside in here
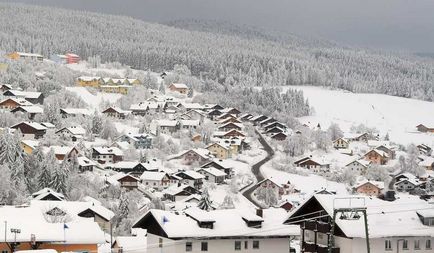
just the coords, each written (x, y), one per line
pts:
(253, 60)
(395, 116)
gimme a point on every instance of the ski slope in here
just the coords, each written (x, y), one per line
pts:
(93, 101)
(394, 115)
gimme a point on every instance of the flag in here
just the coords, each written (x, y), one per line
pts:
(165, 220)
(65, 226)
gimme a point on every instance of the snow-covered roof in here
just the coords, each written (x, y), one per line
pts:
(75, 130)
(190, 122)
(25, 94)
(32, 109)
(89, 78)
(133, 244)
(20, 101)
(167, 122)
(378, 184)
(31, 221)
(48, 125)
(32, 124)
(84, 161)
(175, 189)
(385, 219)
(179, 85)
(152, 176)
(31, 143)
(29, 54)
(227, 223)
(58, 150)
(192, 174)
(76, 111)
(109, 151)
(39, 195)
(362, 162)
(213, 171)
(204, 153)
(73, 208)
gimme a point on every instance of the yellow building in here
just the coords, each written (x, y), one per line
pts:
(29, 145)
(89, 81)
(219, 151)
(20, 55)
(122, 89)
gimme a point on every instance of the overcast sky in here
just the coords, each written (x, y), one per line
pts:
(387, 24)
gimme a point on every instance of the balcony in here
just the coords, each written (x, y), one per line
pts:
(311, 247)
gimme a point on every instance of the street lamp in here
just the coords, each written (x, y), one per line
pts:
(15, 231)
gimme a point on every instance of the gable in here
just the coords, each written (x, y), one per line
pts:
(151, 225)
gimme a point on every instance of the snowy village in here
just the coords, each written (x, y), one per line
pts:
(99, 156)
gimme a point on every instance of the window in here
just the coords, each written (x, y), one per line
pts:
(246, 244)
(204, 246)
(255, 244)
(5, 251)
(416, 244)
(237, 245)
(387, 245)
(188, 246)
(428, 244)
(405, 244)
(160, 242)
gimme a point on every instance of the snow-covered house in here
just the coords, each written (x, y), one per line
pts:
(189, 124)
(85, 164)
(279, 136)
(192, 178)
(341, 143)
(197, 155)
(48, 194)
(74, 112)
(29, 111)
(214, 114)
(62, 152)
(276, 186)
(392, 226)
(256, 119)
(126, 181)
(217, 231)
(213, 175)
(314, 164)
(107, 154)
(116, 112)
(75, 211)
(377, 156)
(30, 129)
(220, 151)
(364, 137)
(31, 96)
(221, 165)
(156, 180)
(140, 141)
(134, 168)
(358, 166)
(72, 133)
(194, 115)
(406, 182)
(424, 149)
(178, 87)
(12, 103)
(37, 231)
(426, 162)
(369, 187)
(177, 192)
(229, 126)
(165, 126)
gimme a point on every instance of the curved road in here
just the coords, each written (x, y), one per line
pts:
(256, 170)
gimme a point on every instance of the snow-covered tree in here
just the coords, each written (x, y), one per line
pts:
(335, 131)
(205, 203)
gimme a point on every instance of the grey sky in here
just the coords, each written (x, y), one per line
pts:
(387, 24)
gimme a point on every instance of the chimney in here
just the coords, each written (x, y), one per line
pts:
(260, 212)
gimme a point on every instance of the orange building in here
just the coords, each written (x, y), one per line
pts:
(370, 188)
(179, 87)
(20, 55)
(376, 156)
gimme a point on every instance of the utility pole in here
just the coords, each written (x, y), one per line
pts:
(15, 231)
(349, 214)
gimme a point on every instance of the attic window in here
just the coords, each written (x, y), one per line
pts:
(209, 225)
(56, 212)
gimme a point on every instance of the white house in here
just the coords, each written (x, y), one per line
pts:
(358, 166)
(218, 231)
(393, 226)
(156, 180)
(213, 175)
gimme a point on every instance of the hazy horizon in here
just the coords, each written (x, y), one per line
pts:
(379, 24)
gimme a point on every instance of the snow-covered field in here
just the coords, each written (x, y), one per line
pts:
(94, 100)
(394, 115)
